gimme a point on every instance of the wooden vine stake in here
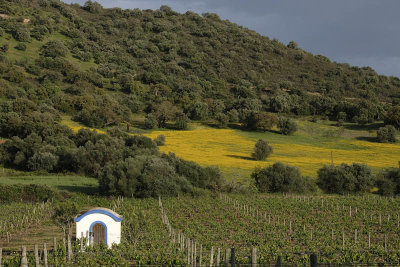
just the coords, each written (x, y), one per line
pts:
(343, 238)
(188, 251)
(212, 257)
(218, 256)
(24, 260)
(385, 243)
(253, 257)
(194, 253)
(369, 240)
(227, 257)
(201, 254)
(70, 249)
(355, 237)
(1, 255)
(36, 256)
(46, 264)
(55, 250)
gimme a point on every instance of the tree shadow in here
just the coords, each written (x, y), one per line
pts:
(89, 190)
(215, 125)
(368, 139)
(235, 126)
(241, 157)
(367, 127)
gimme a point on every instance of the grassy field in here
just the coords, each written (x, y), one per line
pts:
(64, 183)
(314, 145)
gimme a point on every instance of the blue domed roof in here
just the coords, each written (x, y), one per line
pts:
(100, 210)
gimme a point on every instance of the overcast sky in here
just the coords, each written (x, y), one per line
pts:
(359, 32)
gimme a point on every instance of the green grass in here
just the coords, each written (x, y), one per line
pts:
(33, 49)
(71, 183)
(319, 134)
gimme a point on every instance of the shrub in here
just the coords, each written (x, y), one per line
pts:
(199, 111)
(164, 112)
(26, 193)
(144, 176)
(281, 178)
(21, 34)
(4, 48)
(39, 32)
(287, 126)
(388, 182)
(262, 150)
(299, 56)
(150, 122)
(292, 45)
(54, 49)
(181, 121)
(345, 178)
(93, 7)
(386, 134)
(222, 120)
(64, 212)
(260, 120)
(341, 118)
(21, 46)
(209, 177)
(386, 187)
(233, 115)
(393, 117)
(160, 140)
(140, 141)
(42, 161)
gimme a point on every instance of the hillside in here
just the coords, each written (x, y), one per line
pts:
(101, 66)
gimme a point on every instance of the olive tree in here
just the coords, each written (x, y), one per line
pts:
(262, 150)
(287, 126)
(386, 134)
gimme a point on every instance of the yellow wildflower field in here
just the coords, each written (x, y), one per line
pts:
(231, 150)
(76, 126)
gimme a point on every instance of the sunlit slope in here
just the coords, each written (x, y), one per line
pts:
(314, 145)
(231, 150)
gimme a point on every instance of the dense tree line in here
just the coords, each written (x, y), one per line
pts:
(340, 179)
(124, 164)
(282, 178)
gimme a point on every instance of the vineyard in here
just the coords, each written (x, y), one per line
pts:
(338, 229)
(194, 230)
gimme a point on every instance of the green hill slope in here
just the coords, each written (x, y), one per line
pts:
(103, 65)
